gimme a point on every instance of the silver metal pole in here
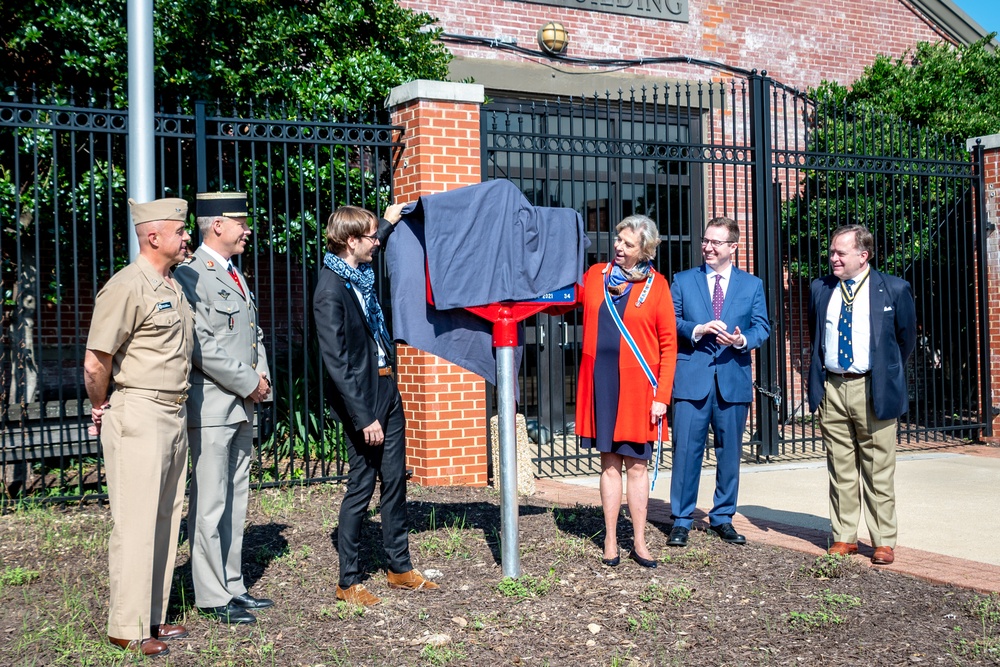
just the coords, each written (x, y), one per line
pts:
(510, 552)
(141, 142)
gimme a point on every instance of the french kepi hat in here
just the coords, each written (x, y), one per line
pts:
(159, 209)
(222, 204)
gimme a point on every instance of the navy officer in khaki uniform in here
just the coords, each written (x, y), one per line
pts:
(230, 376)
(142, 336)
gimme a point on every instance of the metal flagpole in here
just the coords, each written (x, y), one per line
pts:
(141, 141)
(506, 425)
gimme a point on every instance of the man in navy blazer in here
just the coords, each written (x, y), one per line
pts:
(863, 328)
(721, 317)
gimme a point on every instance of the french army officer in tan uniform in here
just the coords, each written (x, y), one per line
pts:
(142, 336)
(230, 376)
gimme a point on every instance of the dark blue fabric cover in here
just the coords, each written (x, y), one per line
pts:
(484, 243)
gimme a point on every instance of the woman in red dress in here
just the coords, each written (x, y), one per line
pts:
(617, 406)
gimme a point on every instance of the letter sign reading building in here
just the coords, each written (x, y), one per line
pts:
(664, 10)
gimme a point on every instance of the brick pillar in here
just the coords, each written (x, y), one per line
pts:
(991, 158)
(445, 405)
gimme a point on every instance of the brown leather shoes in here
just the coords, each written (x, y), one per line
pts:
(149, 647)
(410, 581)
(357, 594)
(165, 632)
(843, 549)
(883, 556)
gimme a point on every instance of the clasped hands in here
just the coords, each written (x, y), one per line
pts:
(263, 390)
(722, 335)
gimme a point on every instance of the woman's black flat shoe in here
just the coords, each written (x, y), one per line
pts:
(612, 562)
(645, 562)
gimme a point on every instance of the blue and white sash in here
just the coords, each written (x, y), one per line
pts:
(627, 337)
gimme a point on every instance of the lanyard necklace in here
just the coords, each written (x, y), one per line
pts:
(617, 292)
(847, 295)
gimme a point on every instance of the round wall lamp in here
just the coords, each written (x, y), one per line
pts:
(553, 38)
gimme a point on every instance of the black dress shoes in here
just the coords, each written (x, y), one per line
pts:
(247, 601)
(612, 562)
(645, 562)
(728, 534)
(229, 614)
(678, 537)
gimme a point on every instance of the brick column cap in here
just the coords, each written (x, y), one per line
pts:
(989, 141)
(441, 91)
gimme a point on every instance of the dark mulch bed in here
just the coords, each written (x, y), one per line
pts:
(708, 604)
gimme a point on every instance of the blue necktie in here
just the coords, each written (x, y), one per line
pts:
(845, 351)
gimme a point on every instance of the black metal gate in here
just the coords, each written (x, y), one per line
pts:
(62, 201)
(788, 168)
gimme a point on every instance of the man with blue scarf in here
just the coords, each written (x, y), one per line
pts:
(357, 350)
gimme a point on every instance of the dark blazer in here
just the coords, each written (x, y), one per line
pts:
(698, 364)
(894, 335)
(348, 346)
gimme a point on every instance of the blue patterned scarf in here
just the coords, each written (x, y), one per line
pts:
(363, 278)
(637, 273)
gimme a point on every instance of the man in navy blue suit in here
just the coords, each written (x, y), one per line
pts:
(863, 328)
(721, 317)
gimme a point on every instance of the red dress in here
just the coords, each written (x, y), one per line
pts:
(654, 329)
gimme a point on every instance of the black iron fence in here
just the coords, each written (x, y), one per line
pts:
(788, 168)
(63, 184)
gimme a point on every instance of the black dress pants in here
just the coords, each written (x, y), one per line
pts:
(367, 465)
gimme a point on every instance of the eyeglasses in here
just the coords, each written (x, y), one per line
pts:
(371, 237)
(714, 243)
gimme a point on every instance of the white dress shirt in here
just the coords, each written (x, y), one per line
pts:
(382, 356)
(861, 329)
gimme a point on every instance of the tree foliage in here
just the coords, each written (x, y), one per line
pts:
(312, 54)
(898, 131)
(62, 190)
(889, 153)
(951, 90)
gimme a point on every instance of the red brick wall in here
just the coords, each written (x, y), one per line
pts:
(442, 148)
(445, 405)
(799, 43)
(446, 420)
(992, 287)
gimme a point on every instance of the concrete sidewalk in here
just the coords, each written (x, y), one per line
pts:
(944, 501)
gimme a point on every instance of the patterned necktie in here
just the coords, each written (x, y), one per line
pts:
(845, 350)
(717, 297)
(236, 279)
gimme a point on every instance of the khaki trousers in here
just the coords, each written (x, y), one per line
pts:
(145, 451)
(217, 510)
(860, 456)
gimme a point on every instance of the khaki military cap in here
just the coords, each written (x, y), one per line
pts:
(222, 204)
(159, 209)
